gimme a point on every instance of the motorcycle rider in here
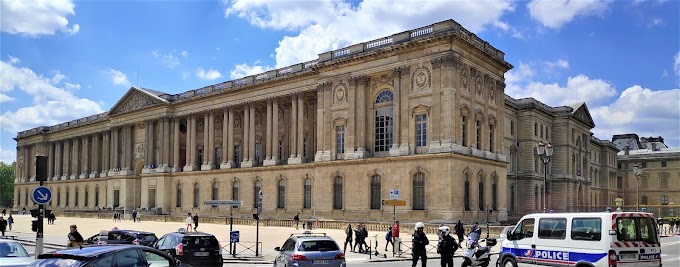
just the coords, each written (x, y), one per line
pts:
(420, 243)
(446, 247)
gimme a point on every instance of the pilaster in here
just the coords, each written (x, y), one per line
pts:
(175, 145)
(208, 146)
(164, 166)
(85, 158)
(230, 141)
(190, 147)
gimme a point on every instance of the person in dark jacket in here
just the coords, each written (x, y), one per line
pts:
(364, 235)
(74, 238)
(388, 238)
(348, 239)
(460, 231)
(359, 235)
(195, 219)
(420, 243)
(446, 247)
(3, 226)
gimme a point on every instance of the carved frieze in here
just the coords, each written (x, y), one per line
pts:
(140, 151)
(324, 86)
(136, 100)
(384, 79)
(359, 80)
(448, 61)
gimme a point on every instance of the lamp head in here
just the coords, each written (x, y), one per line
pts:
(540, 149)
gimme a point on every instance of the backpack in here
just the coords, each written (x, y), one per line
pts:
(388, 235)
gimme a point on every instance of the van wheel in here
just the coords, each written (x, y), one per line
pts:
(465, 263)
(509, 262)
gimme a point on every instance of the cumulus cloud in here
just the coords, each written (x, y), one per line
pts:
(14, 60)
(184, 53)
(8, 155)
(676, 63)
(118, 77)
(243, 70)
(563, 64)
(209, 74)
(555, 13)
(35, 18)
(326, 25)
(53, 102)
(5, 98)
(169, 60)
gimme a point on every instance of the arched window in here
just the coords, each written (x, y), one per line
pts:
(536, 198)
(466, 194)
(281, 199)
(87, 196)
(337, 193)
(376, 200)
(96, 196)
(234, 191)
(76, 197)
(215, 190)
(644, 200)
(512, 197)
(480, 193)
(383, 122)
(419, 191)
(68, 195)
(256, 191)
(197, 194)
(179, 195)
(308, 194)
(58, 197)
(494, 193)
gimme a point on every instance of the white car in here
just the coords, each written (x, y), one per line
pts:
(13, 254)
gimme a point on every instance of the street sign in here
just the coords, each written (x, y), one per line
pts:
(394, 202)
(234, 203)
(234, 236)
(394, 193)
(41, 195)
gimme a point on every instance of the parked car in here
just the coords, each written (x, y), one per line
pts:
(310, 249)
(99, 239)
(132, 237)
(13, 254)
(106, 255)
(193, 248)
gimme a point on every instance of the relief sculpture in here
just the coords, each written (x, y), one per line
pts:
(136, 101)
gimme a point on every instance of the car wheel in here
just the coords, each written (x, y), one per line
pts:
(509, 262)
(465, 263)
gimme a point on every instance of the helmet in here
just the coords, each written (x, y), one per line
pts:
(420, 225)
(444, 230)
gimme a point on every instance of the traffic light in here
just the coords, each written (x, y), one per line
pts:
(35, 213)
(256, 216)
(34, 226)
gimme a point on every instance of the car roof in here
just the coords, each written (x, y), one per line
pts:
(89, 252)
(132, 231)
(3, 240)
(193, 233)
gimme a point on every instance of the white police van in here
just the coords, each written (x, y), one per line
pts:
(583, 239)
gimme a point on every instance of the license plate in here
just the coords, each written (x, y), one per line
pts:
(321, 261)
(201, 254)
(628, 256)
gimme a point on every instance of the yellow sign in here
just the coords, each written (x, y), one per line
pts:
(394, 202)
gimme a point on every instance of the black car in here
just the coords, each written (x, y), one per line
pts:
(106, 255)
(132, 237)
(193, 248)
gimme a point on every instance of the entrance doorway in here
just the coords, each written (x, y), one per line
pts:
(152, 198)
(116, 198)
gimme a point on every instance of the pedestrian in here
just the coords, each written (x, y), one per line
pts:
(53, 217)
(3, 225)
(460, 231)
(348, 238)
(195, 219)
(358, 234)
(74, 238)
(188, 222)
(4, 212)
(10, 221)
(297, 221)
(23, 211)
(395, 236)
(134, 215)
(446, 246)
(364, 235)
(388, 238)
(420, 243)
(115, 216)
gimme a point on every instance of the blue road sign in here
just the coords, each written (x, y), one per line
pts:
(41, 195)
(233, 236)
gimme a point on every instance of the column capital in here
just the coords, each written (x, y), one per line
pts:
(324, 86)
(402, 71)
(359, 80)
(446, 61)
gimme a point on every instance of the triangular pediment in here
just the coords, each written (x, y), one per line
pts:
(581, 112)
(136, 99)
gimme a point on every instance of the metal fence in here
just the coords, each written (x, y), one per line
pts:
(242, 248)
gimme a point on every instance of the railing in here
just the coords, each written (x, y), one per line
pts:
(240, 82)
(242, 247)
(261, 76)
(285, 71)
(421, 31)
(340, 53)
(379, 42)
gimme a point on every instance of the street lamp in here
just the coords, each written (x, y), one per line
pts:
(545, 151)
(637, 169)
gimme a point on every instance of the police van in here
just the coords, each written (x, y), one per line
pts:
(583, 239)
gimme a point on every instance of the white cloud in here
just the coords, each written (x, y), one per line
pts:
(676, 64)
(14, 60)
(331, 24)
(210, 74)
(118, 77)
(243, 70)
(8, 155)
(34, 18)
(169, 60)
(53, 102)
(561, 63)
(5, 98)
(555, 13)
(184, 53)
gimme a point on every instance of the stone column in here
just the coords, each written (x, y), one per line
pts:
(206, 134)
(95, 152)
(272, 134)
(226, 143)
(17, 173)
(66, 168)
(230, 140)
(275, 132)
(320, 123)
(76, 159)
(85, 159)
(292, 136)
(360, 127)
(57, 161)
(191, 144)
(246, 135)
(175, 145)
(208, 143)
(405, 87)
(211, 140)
(106, 153)
(165, 147)
(394, 150)
(251, 136)
(301, 128)
(50, 161)
(129, 153)
(114, 145)
(268, 134)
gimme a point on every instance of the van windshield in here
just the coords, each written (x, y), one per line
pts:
(636, 229)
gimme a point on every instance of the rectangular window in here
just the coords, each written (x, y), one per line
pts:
(541, 137)
(618, 166)
(589, 229)
(421, 130)
(478, 140)
(463, 134)
(280, 149)
(552, 228)
(340, 139)
(512, 127)
(663, 164)
(237, 155)
(491, 133)
(619, 182)
(258, 153)
(525, 229)
(383, 129)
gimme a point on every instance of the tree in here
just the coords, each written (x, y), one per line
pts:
(7, 184)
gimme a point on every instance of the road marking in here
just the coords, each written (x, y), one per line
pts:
(670, 243)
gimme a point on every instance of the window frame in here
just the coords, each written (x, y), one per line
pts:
(340, 140)
(418, 187)
(197, 194)
(556, 222)
(338, 184)
(281, 194)
(307, 198)
(421, 130)
(594, 233)
(375, 189)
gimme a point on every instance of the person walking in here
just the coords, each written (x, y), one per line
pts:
(420, 243)
(195, 222)
(10, 221)
(3, 225)
(297, 221)
(348, 238)
(395, 236)
(134, 215)
(4, 212)
(460, 231)
(364, 236)
(188, 222)
(358, 234)
(74, 238)
(388, 238)
(446, 246)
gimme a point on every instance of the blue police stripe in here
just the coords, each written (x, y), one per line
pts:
(540, 254)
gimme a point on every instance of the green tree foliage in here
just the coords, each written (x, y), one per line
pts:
(6, 184)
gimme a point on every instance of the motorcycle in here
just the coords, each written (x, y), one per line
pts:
(474, 254)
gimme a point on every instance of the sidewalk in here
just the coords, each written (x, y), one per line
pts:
(269, 237)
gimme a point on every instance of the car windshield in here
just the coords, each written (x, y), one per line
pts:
(147, 238)
(54, 262)
(12, 250)
(318, 245)
(201, 241)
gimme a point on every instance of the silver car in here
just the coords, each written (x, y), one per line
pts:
(13, 254)
(309, 249)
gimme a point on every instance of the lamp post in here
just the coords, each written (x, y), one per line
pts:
(637, 169)
(545, 151)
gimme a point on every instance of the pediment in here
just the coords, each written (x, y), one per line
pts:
(136, 99)
(582, 113)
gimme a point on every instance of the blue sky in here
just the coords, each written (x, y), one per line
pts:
(62, 60)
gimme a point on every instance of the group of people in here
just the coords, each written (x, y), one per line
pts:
(117, 216)
(357, 235)
(4, 224)
(673, 226)
(50, 218)
(191, 219)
